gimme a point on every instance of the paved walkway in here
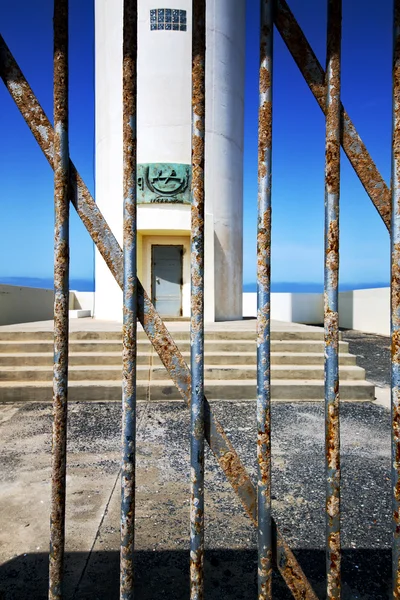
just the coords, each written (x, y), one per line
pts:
(89, 324)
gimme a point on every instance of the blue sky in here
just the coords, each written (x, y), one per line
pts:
(26, 181)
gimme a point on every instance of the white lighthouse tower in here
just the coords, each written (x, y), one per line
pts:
(164, 153)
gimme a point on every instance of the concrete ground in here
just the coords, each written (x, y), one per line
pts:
(162, 512)
(89, 324)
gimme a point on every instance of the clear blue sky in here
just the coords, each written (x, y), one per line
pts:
(26, 181)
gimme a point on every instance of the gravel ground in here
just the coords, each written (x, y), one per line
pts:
(373, 353)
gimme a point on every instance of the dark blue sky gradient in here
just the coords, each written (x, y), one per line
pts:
(26, 181)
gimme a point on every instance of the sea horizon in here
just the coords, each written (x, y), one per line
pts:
(87, 285)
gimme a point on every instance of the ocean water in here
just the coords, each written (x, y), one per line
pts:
(87, 285)
(81, 285)
(312, 288)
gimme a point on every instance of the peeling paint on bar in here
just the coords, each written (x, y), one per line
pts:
(197, 305)
(331, 317)
(61, 302)
(395, 305)
(152, 323)
(263, 305)
(129, 328)
(314, 75)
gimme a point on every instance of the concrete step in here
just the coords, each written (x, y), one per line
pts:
(146, 358)
(312, 334)
(184, 346)
(144, 372)
(283, 390)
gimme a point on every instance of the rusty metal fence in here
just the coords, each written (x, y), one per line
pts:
(273, 551)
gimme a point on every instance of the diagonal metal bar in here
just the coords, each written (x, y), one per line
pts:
(152, 323)
(42, 131)
(314, 75)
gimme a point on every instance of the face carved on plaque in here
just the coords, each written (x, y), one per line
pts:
(163, 183)
(165, 180)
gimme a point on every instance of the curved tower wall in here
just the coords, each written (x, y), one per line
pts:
(224, 149)
(164, 139)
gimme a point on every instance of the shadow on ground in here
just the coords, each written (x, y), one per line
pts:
(229, 574)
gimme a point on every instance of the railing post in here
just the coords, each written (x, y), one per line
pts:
(395, 304)
(331, 316)
(61, 299)
(129, 330)
(263, 305)
(197, 304)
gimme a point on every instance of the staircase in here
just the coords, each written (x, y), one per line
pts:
(297, 370)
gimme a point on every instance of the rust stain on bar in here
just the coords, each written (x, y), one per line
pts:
(152, 323)
(129, 332)
(61, 301)
(395, 307)
(314, 75)
(264, 528)
(331, 316)
(290, 569)
(197, 305)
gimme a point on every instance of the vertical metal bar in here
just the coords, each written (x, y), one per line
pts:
(395, 303)
(61, 299)
(331, 318)
(197, 304)
(130, 302)
(263, 304)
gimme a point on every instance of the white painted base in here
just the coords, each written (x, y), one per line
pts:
(366, 310)
(79, 314)
(363, 310)
(293, 308)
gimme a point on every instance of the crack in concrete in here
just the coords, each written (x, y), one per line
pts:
(97, 534)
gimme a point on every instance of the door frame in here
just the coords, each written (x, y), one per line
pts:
(152, 290)
(180, 239)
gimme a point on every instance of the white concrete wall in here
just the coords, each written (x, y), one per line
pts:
(363, 310)
(170, 217)
(306, 308)
(366, 310)
(293, 308)
(25, 304)
(81, 300)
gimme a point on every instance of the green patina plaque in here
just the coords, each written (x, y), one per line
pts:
(163, 183)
